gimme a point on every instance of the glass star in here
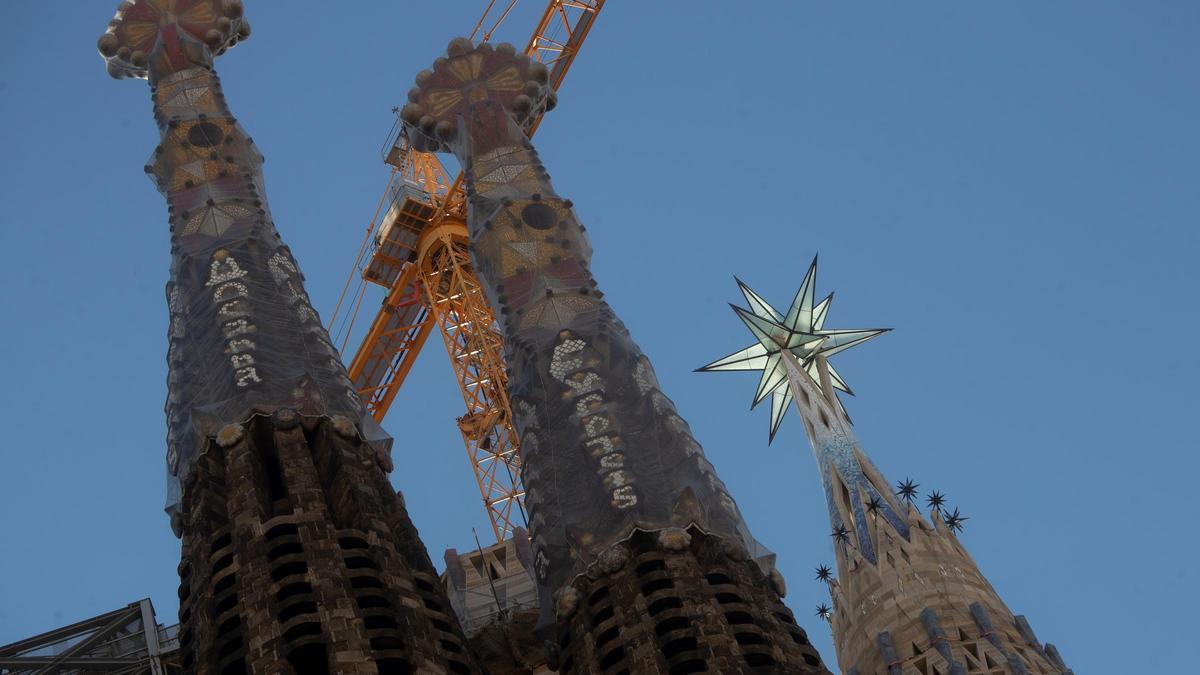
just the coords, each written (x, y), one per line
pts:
(801, 331)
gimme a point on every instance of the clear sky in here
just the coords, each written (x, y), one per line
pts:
(1012, 186)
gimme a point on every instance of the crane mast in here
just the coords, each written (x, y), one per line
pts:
(418, 251)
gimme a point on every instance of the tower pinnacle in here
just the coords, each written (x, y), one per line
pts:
(908, 598)
(297, 555)
(643, 560)
(149, 39)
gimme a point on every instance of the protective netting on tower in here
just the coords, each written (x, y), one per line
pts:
(244, 338)
(604, 452)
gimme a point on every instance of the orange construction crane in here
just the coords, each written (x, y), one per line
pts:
(418, 251)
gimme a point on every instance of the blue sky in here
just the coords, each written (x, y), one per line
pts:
(1011, 186)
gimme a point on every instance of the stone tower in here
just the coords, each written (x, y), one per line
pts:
(297, 557)
(643, 561)
(908, 598)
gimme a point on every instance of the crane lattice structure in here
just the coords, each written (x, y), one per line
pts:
(418, 251)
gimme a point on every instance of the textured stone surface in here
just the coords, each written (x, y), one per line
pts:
(940, 613)
(689, 609)
(908, 599)
(299, 558)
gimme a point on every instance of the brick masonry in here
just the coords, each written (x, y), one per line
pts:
(678, 601)
(299, 558)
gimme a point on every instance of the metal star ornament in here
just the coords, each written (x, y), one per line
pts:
(824, 573)
(936, 500)
(841, 534)
(955, 520)
(907, 490)
(801, 331)
(824, 611)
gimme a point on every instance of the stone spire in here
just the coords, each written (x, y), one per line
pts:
(298, 557)
(642, 558)
(908, 598)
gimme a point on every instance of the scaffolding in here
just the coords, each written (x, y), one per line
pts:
(126, 641)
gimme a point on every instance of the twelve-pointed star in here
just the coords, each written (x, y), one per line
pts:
(800, 331)
(824, 611)
(907, 490)
(936, 500)
(824, 573)
(955, 520)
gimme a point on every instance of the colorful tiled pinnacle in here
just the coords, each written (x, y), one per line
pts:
(297, 556)
(642, 557)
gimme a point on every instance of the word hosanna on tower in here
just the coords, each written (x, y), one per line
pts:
(299, 557)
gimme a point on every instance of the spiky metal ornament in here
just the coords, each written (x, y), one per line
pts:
(936, 500)
(801, 331)
(907, 490)
(955, 520)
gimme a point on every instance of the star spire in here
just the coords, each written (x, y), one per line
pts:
(801, 331)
